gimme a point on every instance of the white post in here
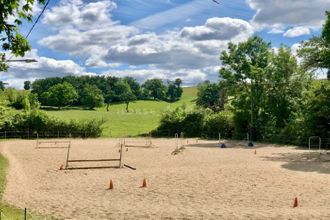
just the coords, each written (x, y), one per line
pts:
(121, 154)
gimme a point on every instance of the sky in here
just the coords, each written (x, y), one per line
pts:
(164, 39)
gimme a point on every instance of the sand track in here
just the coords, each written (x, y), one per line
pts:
(202, 182)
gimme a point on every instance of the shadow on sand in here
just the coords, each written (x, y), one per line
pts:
(303, 161)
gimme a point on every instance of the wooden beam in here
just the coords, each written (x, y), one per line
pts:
(96, 160)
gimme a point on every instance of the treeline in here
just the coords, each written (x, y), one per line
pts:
(94, 91)
(264, 92)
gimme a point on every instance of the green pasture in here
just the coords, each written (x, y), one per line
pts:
(143, 116)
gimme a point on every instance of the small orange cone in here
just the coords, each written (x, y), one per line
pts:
(255, 152)
(61, 167)
(295, 203)
(110, 185)
(144, 183)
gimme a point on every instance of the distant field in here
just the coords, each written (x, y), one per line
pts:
(143, 116)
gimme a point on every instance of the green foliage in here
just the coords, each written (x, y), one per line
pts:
(315, 52)
(27, 85)
(124, 93)
(174, 90)
(60, 95)
(111, 88)
(243, 73)
(92, 97)
(10, 37)
(155, 89)
(21, 99)
(195, 123)
(208, 96)
(2, 86)
(317, 110)
(143, 115)
(221, 122)
(39, 122)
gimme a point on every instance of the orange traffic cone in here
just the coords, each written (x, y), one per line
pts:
(255, 151)
(144, 183)
(295, 203)
(110, 185)
(61, 167)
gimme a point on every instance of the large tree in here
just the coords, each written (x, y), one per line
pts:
(125, 93)
(60, 95)
(155, 89)
(316, 51)
(243, 74)
(174, 90)
(208, 95)
(12, 14)
(92, 97)
(285, 84)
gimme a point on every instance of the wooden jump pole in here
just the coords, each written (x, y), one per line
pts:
(121, 154)
(67, 157)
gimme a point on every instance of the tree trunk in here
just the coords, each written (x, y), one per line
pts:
(127, 106)
(328, 75)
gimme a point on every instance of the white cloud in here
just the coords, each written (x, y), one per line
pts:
(218, 29)
(109, 44)
(272, 13)
(296, 32)
(191, 47)
(45, 67)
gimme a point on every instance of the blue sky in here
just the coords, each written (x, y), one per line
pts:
(157, 38)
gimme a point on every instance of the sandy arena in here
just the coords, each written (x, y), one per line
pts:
(202, 182)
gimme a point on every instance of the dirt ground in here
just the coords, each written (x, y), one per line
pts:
(201, 182)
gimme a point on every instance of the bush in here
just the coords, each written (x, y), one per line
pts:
(221, 122)
(39, 122)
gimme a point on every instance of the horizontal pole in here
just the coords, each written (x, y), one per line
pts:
(85, 168)
(53, 142)
(96, 160)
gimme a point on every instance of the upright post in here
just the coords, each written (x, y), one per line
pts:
(25, 214)
(37, 140)
(58, 134)
(219, 138)
(5, 138)
(67, 156)
(176, 136)
(121, 154)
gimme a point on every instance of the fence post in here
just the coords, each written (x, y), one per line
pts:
(5, 138)
(25, 214)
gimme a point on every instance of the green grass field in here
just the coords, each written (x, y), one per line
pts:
(143, 117)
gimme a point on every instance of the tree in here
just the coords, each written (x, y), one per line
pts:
(10, 37)
(174, 90)
(61, 95)
(315, 52)
(208, 95)
(2, 86)
(243, 74)
(125, 93)
(92, 97)
(155, 89)
(135, 86)
(27, 85)
(286, 82)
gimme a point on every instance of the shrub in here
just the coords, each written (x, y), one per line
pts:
(221, 122)
(39, 122)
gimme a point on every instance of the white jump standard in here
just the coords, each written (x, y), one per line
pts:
(69, 161)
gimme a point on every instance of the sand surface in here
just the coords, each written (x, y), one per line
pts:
(202, 182)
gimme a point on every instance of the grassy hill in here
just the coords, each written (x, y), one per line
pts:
(143, 116)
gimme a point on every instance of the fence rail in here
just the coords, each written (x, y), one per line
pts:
(35, 135)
